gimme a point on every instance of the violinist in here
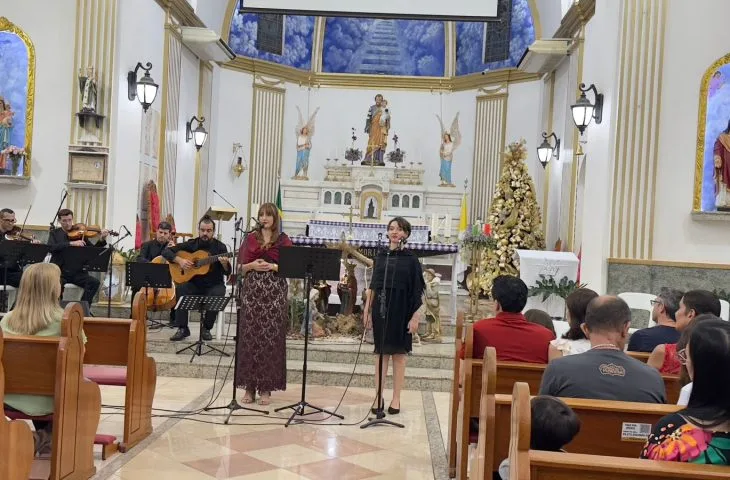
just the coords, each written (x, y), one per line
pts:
(153, 249)
(7, 225)
(59, 241)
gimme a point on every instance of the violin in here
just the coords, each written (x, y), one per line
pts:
(17, 234)
(81, 231)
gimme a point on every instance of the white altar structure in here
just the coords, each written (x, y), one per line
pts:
(534, 263)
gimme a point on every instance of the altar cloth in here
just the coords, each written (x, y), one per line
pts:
(361, 231)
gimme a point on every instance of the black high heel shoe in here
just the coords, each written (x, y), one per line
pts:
(393, 411)
(382, 407)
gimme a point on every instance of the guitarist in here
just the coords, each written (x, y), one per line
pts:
(212, 283)
(152, 249)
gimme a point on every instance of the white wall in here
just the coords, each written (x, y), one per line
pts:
(140, 38)
(232, 104)
(211, 12)
(686, 58)
(185, 171)
(53, 35)
(551, 12)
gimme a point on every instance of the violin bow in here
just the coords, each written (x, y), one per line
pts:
(88, 216)
(26, 218)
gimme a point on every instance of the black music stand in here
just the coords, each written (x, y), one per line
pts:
(149, 275)
(20, 253)
(202, 304)
(307, 263)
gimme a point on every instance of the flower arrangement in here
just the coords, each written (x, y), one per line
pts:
(547, 286)
(397, 156)
(14, 151)
(353, 154)
(477, 235)
(16, 155)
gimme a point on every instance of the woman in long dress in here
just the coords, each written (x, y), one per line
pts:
(263, 323)
(401, 294)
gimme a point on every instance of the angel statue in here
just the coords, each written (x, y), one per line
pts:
(304, 132)
(450, 141)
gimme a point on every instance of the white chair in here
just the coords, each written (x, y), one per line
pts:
(72, 292)
(639, 301)
(724, 310)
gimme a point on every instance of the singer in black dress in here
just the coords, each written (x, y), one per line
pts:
(397, 283)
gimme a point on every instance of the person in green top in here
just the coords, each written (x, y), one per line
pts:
(37, 312)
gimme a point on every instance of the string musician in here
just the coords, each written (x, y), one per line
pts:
(13, 273)
(59, 241)
(153, 249)
(211, 283)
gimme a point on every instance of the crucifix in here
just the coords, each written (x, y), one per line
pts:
(350, 235)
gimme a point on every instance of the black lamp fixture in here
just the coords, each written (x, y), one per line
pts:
(144, 89)
(545, 150)
(199, 135)
(584, 111)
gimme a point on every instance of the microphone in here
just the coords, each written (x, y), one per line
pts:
(258, 225)
(402, 243)
(237, 225)
(223, 198)
(128, 233)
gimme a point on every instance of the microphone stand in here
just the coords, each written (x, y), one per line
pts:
(379, 418)
(233, 405)
(112, 246)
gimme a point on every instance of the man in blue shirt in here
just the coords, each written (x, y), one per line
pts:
(663, 314)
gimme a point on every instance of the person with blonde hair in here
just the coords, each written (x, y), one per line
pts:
(37, 312)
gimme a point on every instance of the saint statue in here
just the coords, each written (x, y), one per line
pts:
(347, 289)
(87, 85)
(450, 141)
(377, 126)
(6, 128)
(304, 132)
(721, 157)
(371, 209)
(432, 302)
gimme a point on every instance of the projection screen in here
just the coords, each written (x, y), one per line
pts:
(465, 10)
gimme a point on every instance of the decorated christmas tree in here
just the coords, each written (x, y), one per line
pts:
(514, 216)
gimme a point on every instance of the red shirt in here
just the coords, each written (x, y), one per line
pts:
(514, 338)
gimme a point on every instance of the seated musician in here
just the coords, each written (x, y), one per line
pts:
(37, 312)
(7, 223)
(212, 283)
(605, 372)
(59, 242)
(153, 249)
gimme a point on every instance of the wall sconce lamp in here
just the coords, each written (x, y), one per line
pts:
(584, 111)
(199, 135)
(237, 164)
(144, 89)
(545, 150)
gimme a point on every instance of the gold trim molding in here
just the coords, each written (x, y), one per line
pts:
(182, 11)
(8, 26)
(575, 18)
(390, 82)
(666, 263)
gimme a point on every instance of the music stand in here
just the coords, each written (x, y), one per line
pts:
(307, 263)
(149, 275)
(91, 259)
(220, 214)
(202, 304)
(20, 253)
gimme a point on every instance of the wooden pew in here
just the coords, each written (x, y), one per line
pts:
(640, 356)
(455, 394)
(526, 464)
(54, 366)
(16, 440)
(602, 424)
(116, 354)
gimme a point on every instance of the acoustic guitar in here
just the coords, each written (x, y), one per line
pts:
(201, 265)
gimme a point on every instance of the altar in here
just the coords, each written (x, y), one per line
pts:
(373, 232)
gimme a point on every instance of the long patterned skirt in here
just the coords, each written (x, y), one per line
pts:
(262, 333)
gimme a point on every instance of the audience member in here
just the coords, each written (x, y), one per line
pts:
(604, 372)
(663, 313)
(684, 377)
(574, 341)
(540, 317)
(514, 338)
(693, 303)
(700, 433)
(553, 425)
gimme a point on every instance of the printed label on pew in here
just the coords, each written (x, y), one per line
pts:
(635, 432)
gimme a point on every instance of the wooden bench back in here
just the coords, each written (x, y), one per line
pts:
(122, 342)
(16, 439)
(54, 366)
(454, 398)
(526, 464)
(640, 356)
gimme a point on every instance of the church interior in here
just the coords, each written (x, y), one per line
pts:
(570, 145)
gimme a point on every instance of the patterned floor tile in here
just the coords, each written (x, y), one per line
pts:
(333, 468)
(229, 466)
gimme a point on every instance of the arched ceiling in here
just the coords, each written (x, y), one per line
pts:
(389, 47)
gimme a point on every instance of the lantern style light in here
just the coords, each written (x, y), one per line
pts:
(546, 150)
(145, 89)
(584, 111)
(199, 135)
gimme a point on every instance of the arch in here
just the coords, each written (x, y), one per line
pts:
(348, 198)
(395, 202)
(416, 203)
(338, 198)
(327, 198)
(406, 202)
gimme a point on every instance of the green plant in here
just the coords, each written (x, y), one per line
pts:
(296, 313)
(129, 255)
(547, 286)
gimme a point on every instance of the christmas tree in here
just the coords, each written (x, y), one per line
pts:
(514, 216)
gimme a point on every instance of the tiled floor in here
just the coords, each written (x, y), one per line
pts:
(257, 446)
